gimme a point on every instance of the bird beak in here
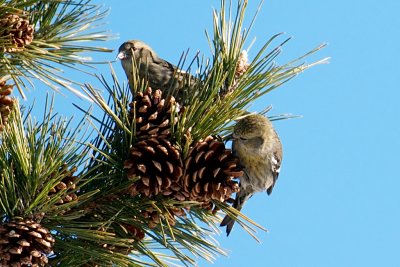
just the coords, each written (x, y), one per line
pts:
(121, 56)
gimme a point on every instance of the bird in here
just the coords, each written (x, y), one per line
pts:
(136, 56)
(259, 149)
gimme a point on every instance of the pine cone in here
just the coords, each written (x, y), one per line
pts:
(159, 165)
(67, 184)
(209, 172)
(134, 231)
(24, 243)
(128, 231)
(242, 65)
(6, 103)
(153, 113)
(152, 216)
(18, 30)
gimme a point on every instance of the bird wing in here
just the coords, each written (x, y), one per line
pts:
(165, 64)
(275, 168)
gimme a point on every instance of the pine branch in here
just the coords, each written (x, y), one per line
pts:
(32, 159)
(116, 134)
(221, 95)
(150, 186)
(230, 81)
(49, 39)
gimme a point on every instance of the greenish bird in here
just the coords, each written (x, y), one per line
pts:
(257, 145)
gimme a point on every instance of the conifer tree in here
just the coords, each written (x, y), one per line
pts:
(150, 188)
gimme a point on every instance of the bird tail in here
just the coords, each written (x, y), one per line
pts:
(228, 221)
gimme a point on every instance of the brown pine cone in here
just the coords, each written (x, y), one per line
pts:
(153, 217)
(67, 185)
(152, 114)
(18, 30)
(134, 231)
(210, 172)
(159, 165)
(24, 242)
(6, 103)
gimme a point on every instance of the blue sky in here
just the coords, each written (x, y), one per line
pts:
(336, 202)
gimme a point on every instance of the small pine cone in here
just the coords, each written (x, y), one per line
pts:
(18, 30)
(210, 170)
(124, 249)
(159, 165)
(129, 231)
(24, 243)
(153, 113)
(67, 184)
(134, 231)
(178, 212)
(153, 217)
(6, 103)
(242, 66)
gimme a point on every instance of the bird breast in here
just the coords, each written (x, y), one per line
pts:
(256, 165)
(258, 175)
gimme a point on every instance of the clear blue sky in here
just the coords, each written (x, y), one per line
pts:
(336, 202)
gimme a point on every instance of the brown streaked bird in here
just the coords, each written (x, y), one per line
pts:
(259, 150)
(159, 73)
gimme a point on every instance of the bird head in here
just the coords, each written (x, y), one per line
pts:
(136, 50)
(251, 126)
(251, 131)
